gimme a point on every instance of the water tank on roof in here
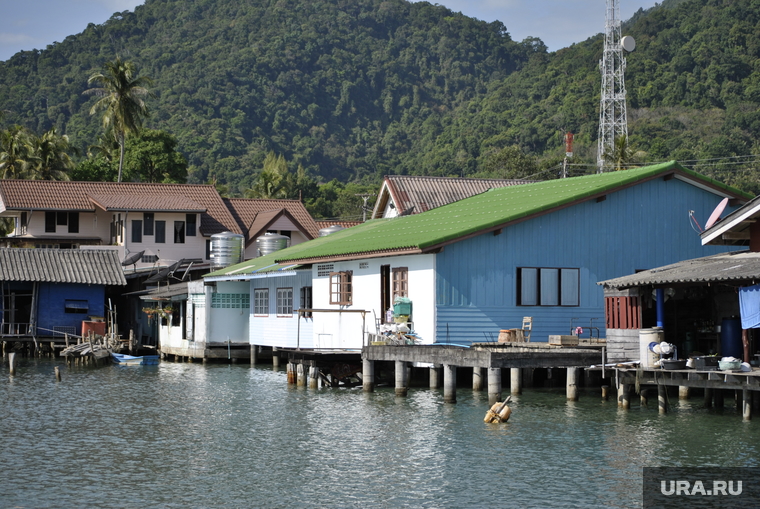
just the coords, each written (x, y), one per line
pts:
(227, 249)
(271, 242)
(324, 232)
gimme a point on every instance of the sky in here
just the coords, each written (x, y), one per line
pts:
(34, 24)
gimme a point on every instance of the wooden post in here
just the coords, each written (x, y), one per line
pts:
(131, 341)
(435, 378)
(401, 388)
(291, 370)
(57, 374)
(683, 392)
(494, 385)
(300, 375)
(313, 377)
(746, 405)
(644, 394)
(275, 359)
(12, 363)
(605, 392)
(572, 383)
(449, 383)
(515, 379)
(368, 375)
(662, 399)
(624, 396)
(477, 379)
(254, 354)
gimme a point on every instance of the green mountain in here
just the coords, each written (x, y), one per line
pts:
(355, 89)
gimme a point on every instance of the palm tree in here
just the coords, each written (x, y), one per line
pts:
(621, 155)
(52, 161)
(121, 95)
(16, 152)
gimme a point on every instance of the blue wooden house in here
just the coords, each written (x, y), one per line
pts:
(479, 265)
(49, 292)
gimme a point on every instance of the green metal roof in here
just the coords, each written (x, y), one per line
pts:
(489, 210)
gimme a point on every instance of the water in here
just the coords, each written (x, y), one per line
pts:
(189, 435)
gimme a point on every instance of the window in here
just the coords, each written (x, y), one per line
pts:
(160, 232)
(261, 301)
(137, 230)
(22, 224)
(340, 287)
(400, 282)
(73, 222)
(76, 306)
(306, 301)
(190, 221)
(148, 223)
(208, 249)
(284, 302)
(179, 232)
(548, 287)
(62, 219)
(50, 222)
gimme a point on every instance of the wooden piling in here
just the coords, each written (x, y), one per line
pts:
(300, 375)
(662, 399)
(57, 374)
(572, 383)
(644, 395)
(275, 359)
(605, 392)
(515, 378)
(494, 385)
(401, 387)
(683, 392)
(477, 379)
(368, 375)
(624, 396)
(746, 405)
(449, 383)
(12, 363)
(313, 377)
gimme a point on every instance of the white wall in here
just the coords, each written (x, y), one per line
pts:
(277, 330)
(344, 330)
(228, 320)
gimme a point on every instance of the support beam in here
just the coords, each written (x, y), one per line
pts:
(401, 389)
(515, 380)
(572, 383)
(435, 377)
(368, 375)
(662, 399)
(477, 379)
(494, 385)
(449, 383)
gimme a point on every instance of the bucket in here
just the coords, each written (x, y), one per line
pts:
(647, 337)
(731, 338)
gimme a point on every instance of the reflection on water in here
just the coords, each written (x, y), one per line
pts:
(189, 435)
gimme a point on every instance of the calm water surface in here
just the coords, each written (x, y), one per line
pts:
(189, 435)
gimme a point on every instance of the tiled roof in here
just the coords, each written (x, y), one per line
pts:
(485, 212)
(76, 196)
(415, 194)
(143, 203)
(99, 267)
(246, 210)
(326, 223)
(736, 267)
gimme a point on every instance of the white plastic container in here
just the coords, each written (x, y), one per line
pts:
(646, 338)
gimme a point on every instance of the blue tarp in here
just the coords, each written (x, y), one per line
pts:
(749, 306)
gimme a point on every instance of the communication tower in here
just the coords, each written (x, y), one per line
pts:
(613, 118)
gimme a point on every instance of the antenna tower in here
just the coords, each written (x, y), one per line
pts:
(613, 119)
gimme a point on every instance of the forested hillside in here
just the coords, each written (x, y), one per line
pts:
(355, 89)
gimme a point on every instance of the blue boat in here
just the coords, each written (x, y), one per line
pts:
(130, 360)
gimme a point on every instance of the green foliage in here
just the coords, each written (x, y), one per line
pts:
(25, 155)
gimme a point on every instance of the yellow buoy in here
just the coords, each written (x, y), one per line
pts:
(499, 412)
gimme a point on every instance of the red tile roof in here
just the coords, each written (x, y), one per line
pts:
(255, 214)
(79, 196)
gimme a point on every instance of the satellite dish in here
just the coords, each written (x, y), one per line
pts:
(132, 259)
(715, 216)
(628, 43)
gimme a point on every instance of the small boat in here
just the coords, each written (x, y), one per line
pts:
(130, 360)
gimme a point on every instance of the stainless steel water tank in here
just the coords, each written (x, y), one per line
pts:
(324, 232)
(271, 242)
(227, 249)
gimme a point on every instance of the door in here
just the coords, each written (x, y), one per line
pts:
(385, 291)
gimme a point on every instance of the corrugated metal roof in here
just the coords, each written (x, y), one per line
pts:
(488, 211)
(75, 196)
(246, 211)
(86, 266)
(736, 267)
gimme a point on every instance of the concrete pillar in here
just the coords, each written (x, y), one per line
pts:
(300, 375)
(515, 380)
(368, 375)
(12, 363)
(644, 397)
(477, 379)
(662, 399)
(494, 385)
(708, 398)
(254, 355)
(605, 392)
(746, 405)
(683, 392)
(275, 359)
(624, 396)
(313, 377)
(435, 377)
(401, 388)
(291, 370)
(58, 374)
(449, 383)
(573, 374)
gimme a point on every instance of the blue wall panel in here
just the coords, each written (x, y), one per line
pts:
(641, 227)
(51, 310)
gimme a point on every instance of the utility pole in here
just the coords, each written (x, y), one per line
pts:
(613, 118)
(365, 208)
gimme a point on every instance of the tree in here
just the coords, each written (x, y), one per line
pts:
(52, 160)
(621, 155)
(273, 180)
(121, 95)
(152, 157)
(16, 152)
